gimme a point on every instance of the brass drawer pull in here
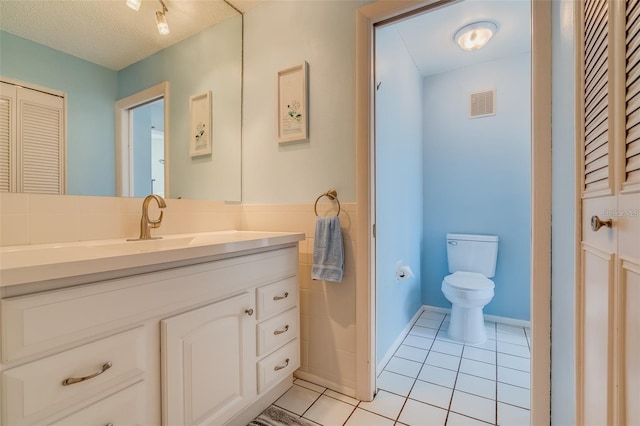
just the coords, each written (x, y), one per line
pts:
(72, 380)
(280, 367)
(281, 297)
(286, 328)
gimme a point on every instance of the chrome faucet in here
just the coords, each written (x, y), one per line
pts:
(145, 223)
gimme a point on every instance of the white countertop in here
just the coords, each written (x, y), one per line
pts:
(43, 262)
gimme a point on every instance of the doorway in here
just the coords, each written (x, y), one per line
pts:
(383, 12)
(142, 143)
(452, 155)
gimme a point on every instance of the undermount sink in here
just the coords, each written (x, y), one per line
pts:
(58, 260)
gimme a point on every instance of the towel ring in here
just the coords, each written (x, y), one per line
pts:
(330, 194)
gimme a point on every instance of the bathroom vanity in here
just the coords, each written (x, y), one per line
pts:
(190, 329)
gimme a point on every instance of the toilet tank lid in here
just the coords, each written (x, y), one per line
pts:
(472, 237)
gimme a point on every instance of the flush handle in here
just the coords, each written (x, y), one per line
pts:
(596, 223)
(452, 243)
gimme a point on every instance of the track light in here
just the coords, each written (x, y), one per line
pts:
(134, 4)
(161, 21)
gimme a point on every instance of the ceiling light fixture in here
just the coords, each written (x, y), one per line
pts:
(475, 35)
(134, 4)
(161, 21)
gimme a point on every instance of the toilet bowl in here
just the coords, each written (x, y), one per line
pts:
(472, 261)
(468, 293)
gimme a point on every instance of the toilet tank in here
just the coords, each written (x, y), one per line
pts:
(472, 253)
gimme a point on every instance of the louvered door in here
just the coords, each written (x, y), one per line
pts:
(627, 348)
(7, 136)
(608, 291)
(32, 141)
(40, 142)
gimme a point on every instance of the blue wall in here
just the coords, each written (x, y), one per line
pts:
(203, 62)
(91, 95)
(477, 177)
(398, 186)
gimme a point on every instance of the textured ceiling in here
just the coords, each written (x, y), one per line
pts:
(107, 32)
(429, 37)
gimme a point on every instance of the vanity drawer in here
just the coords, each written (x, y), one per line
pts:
(121, 408)
(35, 391)
(278, 365)
(276, 297)
(277, 331)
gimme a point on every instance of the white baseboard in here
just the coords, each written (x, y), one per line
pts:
(345, 390)
(494, 318)
(396, 343)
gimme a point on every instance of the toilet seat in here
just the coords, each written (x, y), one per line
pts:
(469, 281)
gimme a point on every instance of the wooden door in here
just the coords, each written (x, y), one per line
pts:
(608, 291)
(208, 358)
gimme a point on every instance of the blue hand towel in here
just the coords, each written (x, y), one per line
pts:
(328, 250)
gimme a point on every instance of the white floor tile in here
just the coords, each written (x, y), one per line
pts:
(309, 385)
(429, 323)
(489, 345)
(432, 315)
(474, 406)
(429, 393)
(341, 397)
(442, 335)
(437, 375)
(417, 342)
(366, 418)
(514, 395)
(478, 354)
(385, 404)
(297, 399)
(329, 411)
(515, 362)
(477, 368)
(447, 348)
(511, 349)
(514, 330)
(404, 367)
(514, 377)
(395, 383)
(509, 415)
(416, 413)
(490, 327)
(412, 353)
(476, 385)
(437, 359)
(520, 339)
(425, 332)
(455, 419)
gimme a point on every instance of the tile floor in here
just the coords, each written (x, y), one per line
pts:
(432, 380)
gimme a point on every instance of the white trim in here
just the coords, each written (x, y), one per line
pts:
(345, 390)
(124, 165)
(396, 343)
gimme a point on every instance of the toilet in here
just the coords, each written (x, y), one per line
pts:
(472, 261)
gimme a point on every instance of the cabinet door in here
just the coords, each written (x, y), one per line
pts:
(208, 362)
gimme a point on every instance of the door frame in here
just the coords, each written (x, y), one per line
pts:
(382, 10)
(124, 163)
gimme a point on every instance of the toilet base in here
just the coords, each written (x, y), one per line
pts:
(467, 325)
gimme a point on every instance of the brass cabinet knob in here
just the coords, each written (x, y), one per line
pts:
(249, 311)
(596, 223)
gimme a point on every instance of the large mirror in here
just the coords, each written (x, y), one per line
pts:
(99, 52)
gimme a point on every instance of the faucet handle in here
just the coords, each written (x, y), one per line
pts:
(155, 223)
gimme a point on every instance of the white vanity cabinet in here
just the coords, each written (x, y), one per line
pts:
(175, 346)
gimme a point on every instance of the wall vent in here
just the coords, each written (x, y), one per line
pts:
(482, 104)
